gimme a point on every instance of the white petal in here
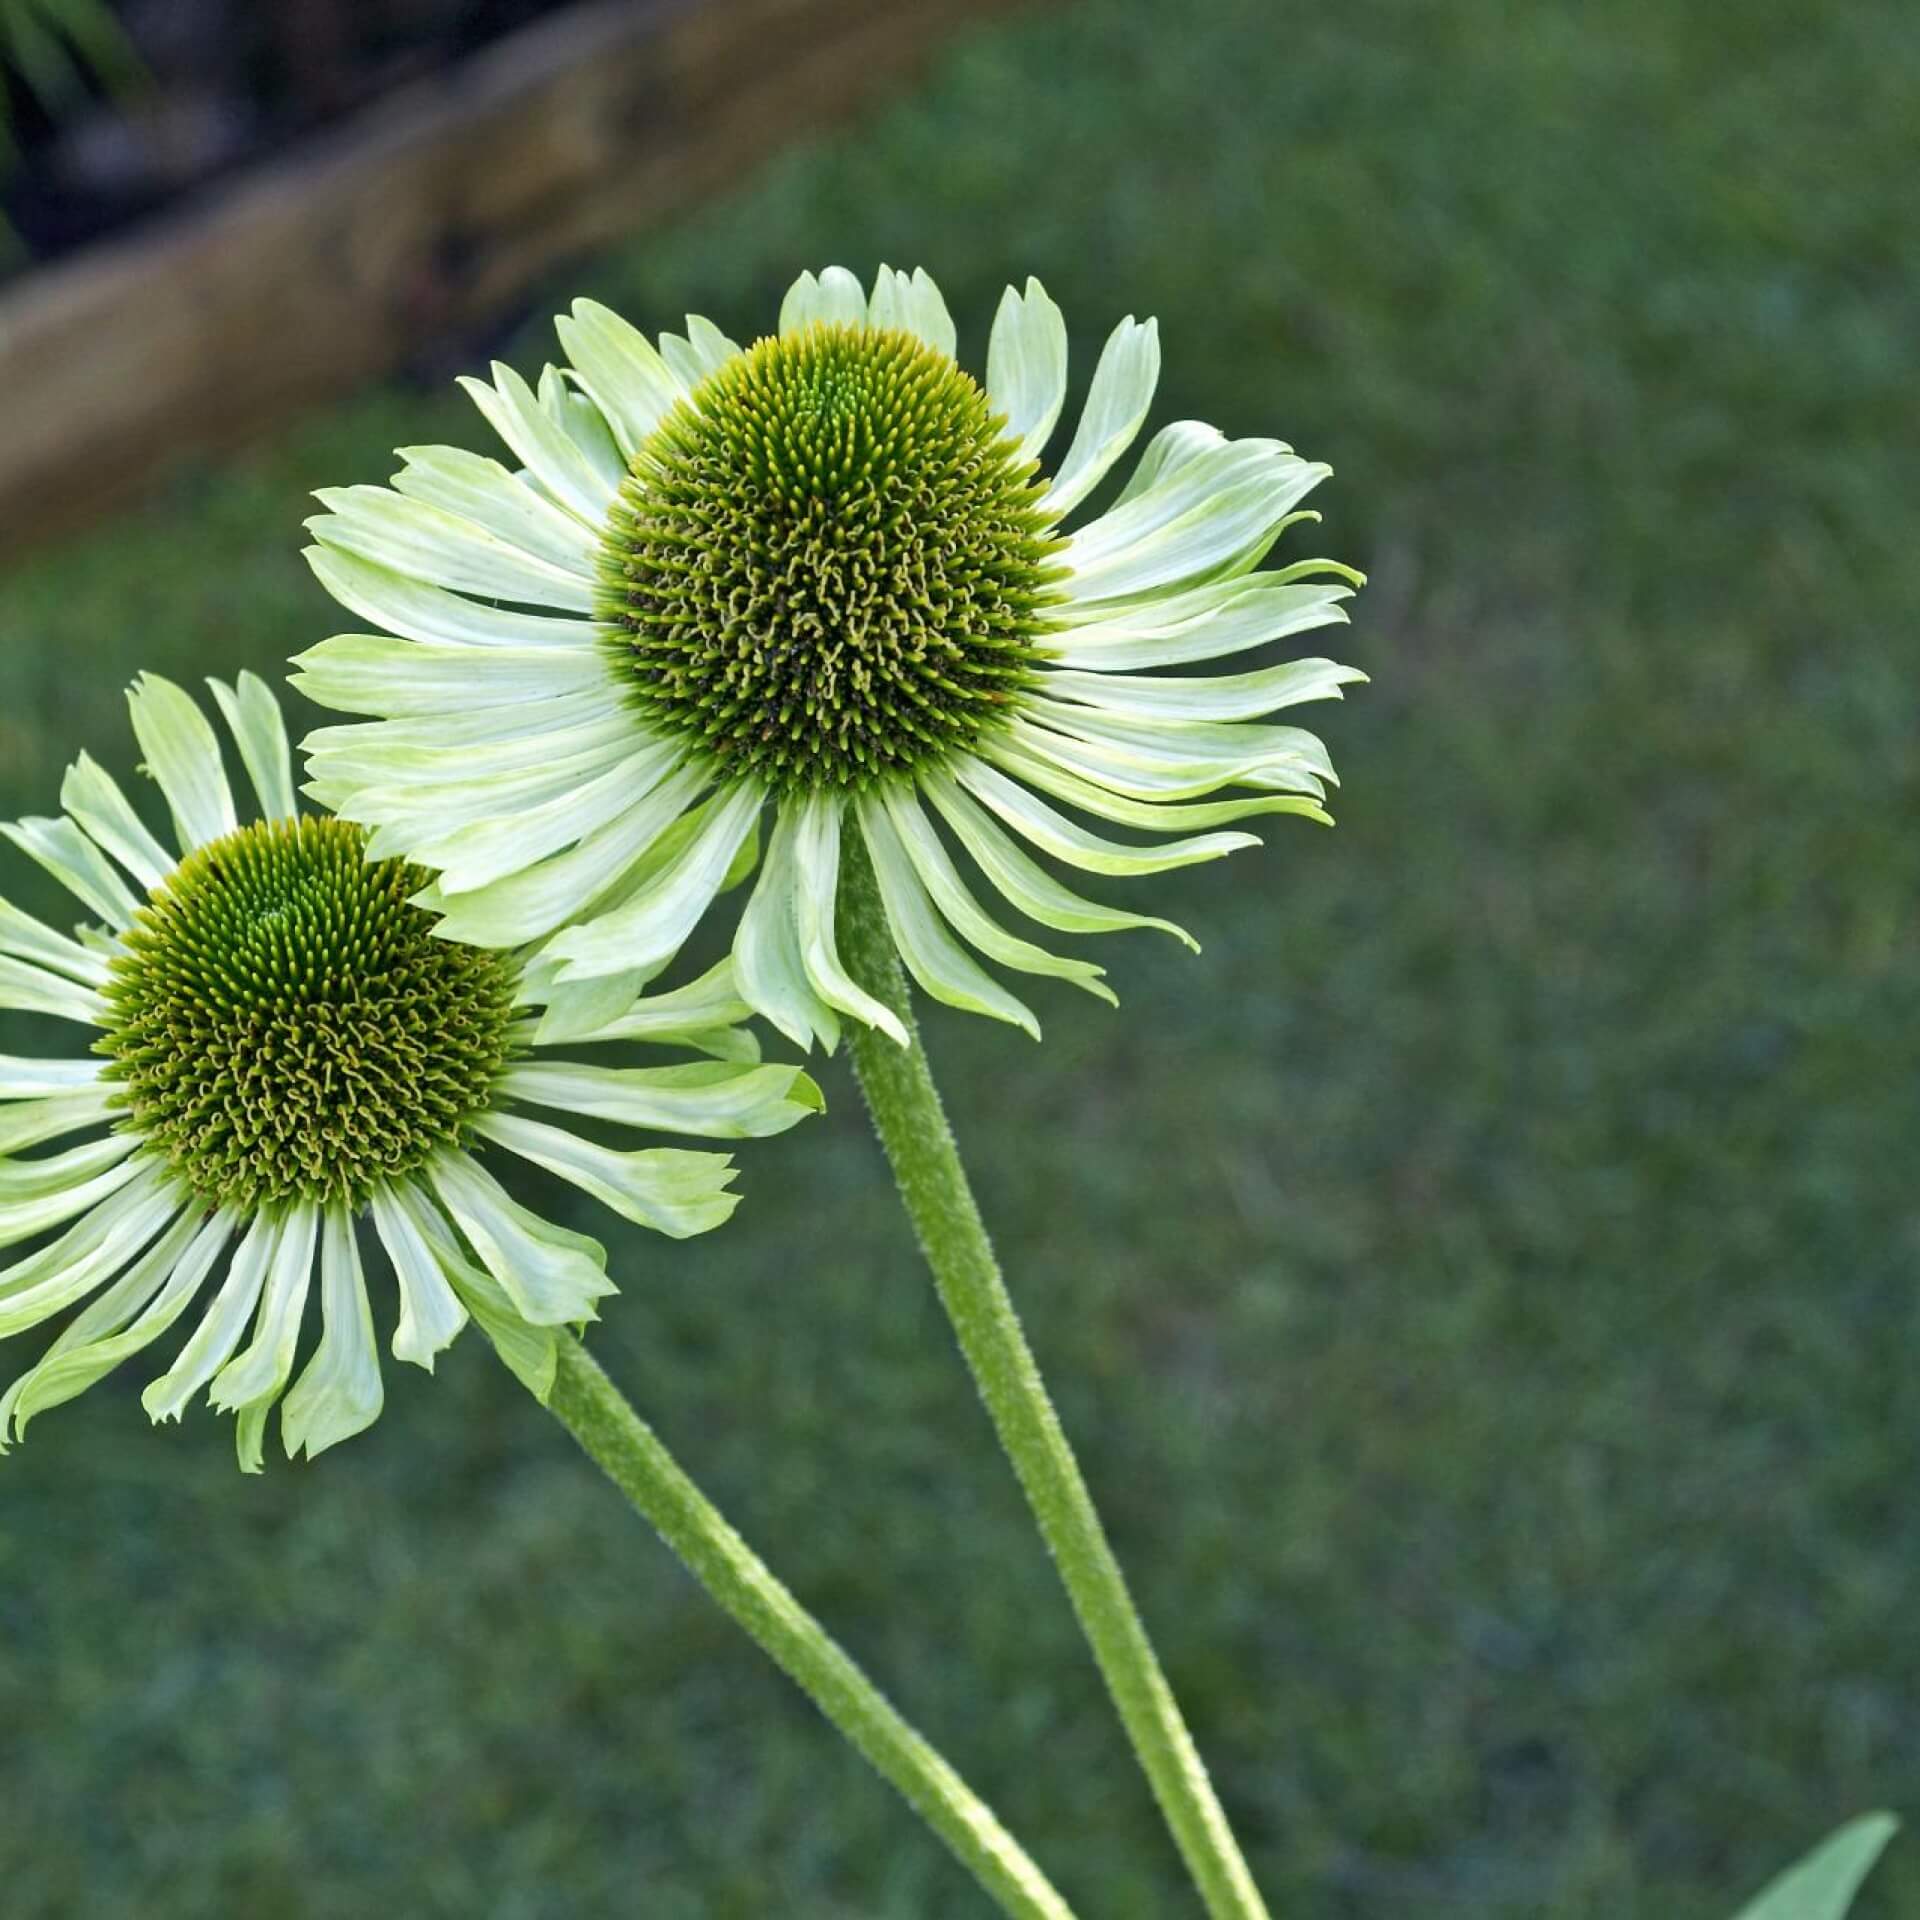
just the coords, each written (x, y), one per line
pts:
(816, 892)
(183, 755)
(370, 673)
(914, 305)
(475, 488)
(554, 1277)
(524, 906)
(1065, 839)
(417, 611)
(674, 1192)
(25, 989)
(949, 893)
(340, 1393)
(1191, 465)
(704, 1014)
(552, 455)
(38, 1194)
(771, 974)
(1022, 881)
(157, 1289)
(430, 1313)
(260, 731)
(586, 426)
(935, 959)
(1122, 391)
(531, 1353)
(632, 386)
(66, 853)
(1206, 623)
(837, 298)
(704, 350)
(26, 939)
(93, 1250)
(219, 1331)
(249, 1385)
(1051, 771)
(32, 1123)
(1027, 366)
(649, 929)
(429, 544)
(716, 1100)
(1221, 697)
(94, 799)
(1175, 759)
(22, 1079)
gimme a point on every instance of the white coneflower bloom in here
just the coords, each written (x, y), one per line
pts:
(282, 1047)
(831, 574)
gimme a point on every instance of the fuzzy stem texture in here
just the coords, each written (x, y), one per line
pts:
(599, 1416)
(919, 1144)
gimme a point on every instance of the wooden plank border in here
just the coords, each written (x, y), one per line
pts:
(429, 211)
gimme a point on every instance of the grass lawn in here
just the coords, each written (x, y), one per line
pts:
(1483, 1286)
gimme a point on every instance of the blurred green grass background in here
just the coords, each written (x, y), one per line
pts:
(1482, 1286)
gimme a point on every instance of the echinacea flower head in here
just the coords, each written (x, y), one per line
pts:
(284, 1052)
(833, 579)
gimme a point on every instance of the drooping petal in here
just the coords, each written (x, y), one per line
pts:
(372, 673)
(111, 1231)
(1027, 366)
(249, 1384)
(23, 1079)
(219, 1331)
(38, 1194)
(1117, 404)
(32, 1123)
(183, 755)
(767, 961)
(816, 856)
(554, 1277)
(260, 731)
(716, 1100)
(340, 1393)
(430, 1313)
(1203, 623)
(1220, 697)
(531, 1353)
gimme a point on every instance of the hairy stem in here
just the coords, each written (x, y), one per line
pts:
(926, 1163)
(599, 1416)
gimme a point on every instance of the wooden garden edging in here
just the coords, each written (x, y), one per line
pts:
(428, 211)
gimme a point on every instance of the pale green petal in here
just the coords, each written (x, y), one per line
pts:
(769, 970)
(914, 305)
(1022, 881)
(90, 1252)
(632, 386)
(125, 1320)
(1226, 535)
(1122, 391)
(340, 1393)
(25, 989)
(837, 298)
(370, 673)
(1237, 696)
(219, 1331)
(1027, 366)
(66, 853)
(1206, 623)
(250, 1384)
(932, 955)
(417, 611)
(649, 929)
(575, 1009)
(38, 1194)
(949, 893)
(32, 1123)
(703, 351)
(430, 1313)
(1176, 759)
(441, 758)
(1206, 467)
(1823, 1885)
(23, 1079)
(1156, 816)
(477, 853)
(553, 456)
(94, 799)
(423, 799)
(816, 890)
(260, 731)
(716, 1100)
(524, 906)
(585, 425)
(1171, 449)
(475, 488)
(531, 1354)
(674, 1192)
(705, 1015)
(552, 1276)
(183, 755)
(1053, 833)
(27, 939)
(427, 543)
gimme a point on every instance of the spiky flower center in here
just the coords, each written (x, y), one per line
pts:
(829, 563)
(284, 1026)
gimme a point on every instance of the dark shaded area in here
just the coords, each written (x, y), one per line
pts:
(1482, 1284)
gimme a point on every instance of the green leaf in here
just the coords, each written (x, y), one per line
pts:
(1822, 1886)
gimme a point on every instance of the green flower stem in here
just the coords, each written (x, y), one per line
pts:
(933, 1183)
(598, 1415)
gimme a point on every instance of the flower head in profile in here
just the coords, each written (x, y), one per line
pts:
(280, 1050)
(834, 579)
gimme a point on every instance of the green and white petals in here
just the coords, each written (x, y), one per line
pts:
(836, 298)
(553, 1277)
(249, 1385)
(713, 1099)
(92, 798)
(1116, 409)
(37, 1195)
(912, 304)
(1202, 623)
(65, 852)
(430, 1312)
(704, 349)
(816, 889)
(472, 487)
(622, 373)
(24, 938)
(563, 463)
(1027, 366)
(183, 755)
(115, 1226)
(340, 1393)
(416, 609)
(374, 673)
